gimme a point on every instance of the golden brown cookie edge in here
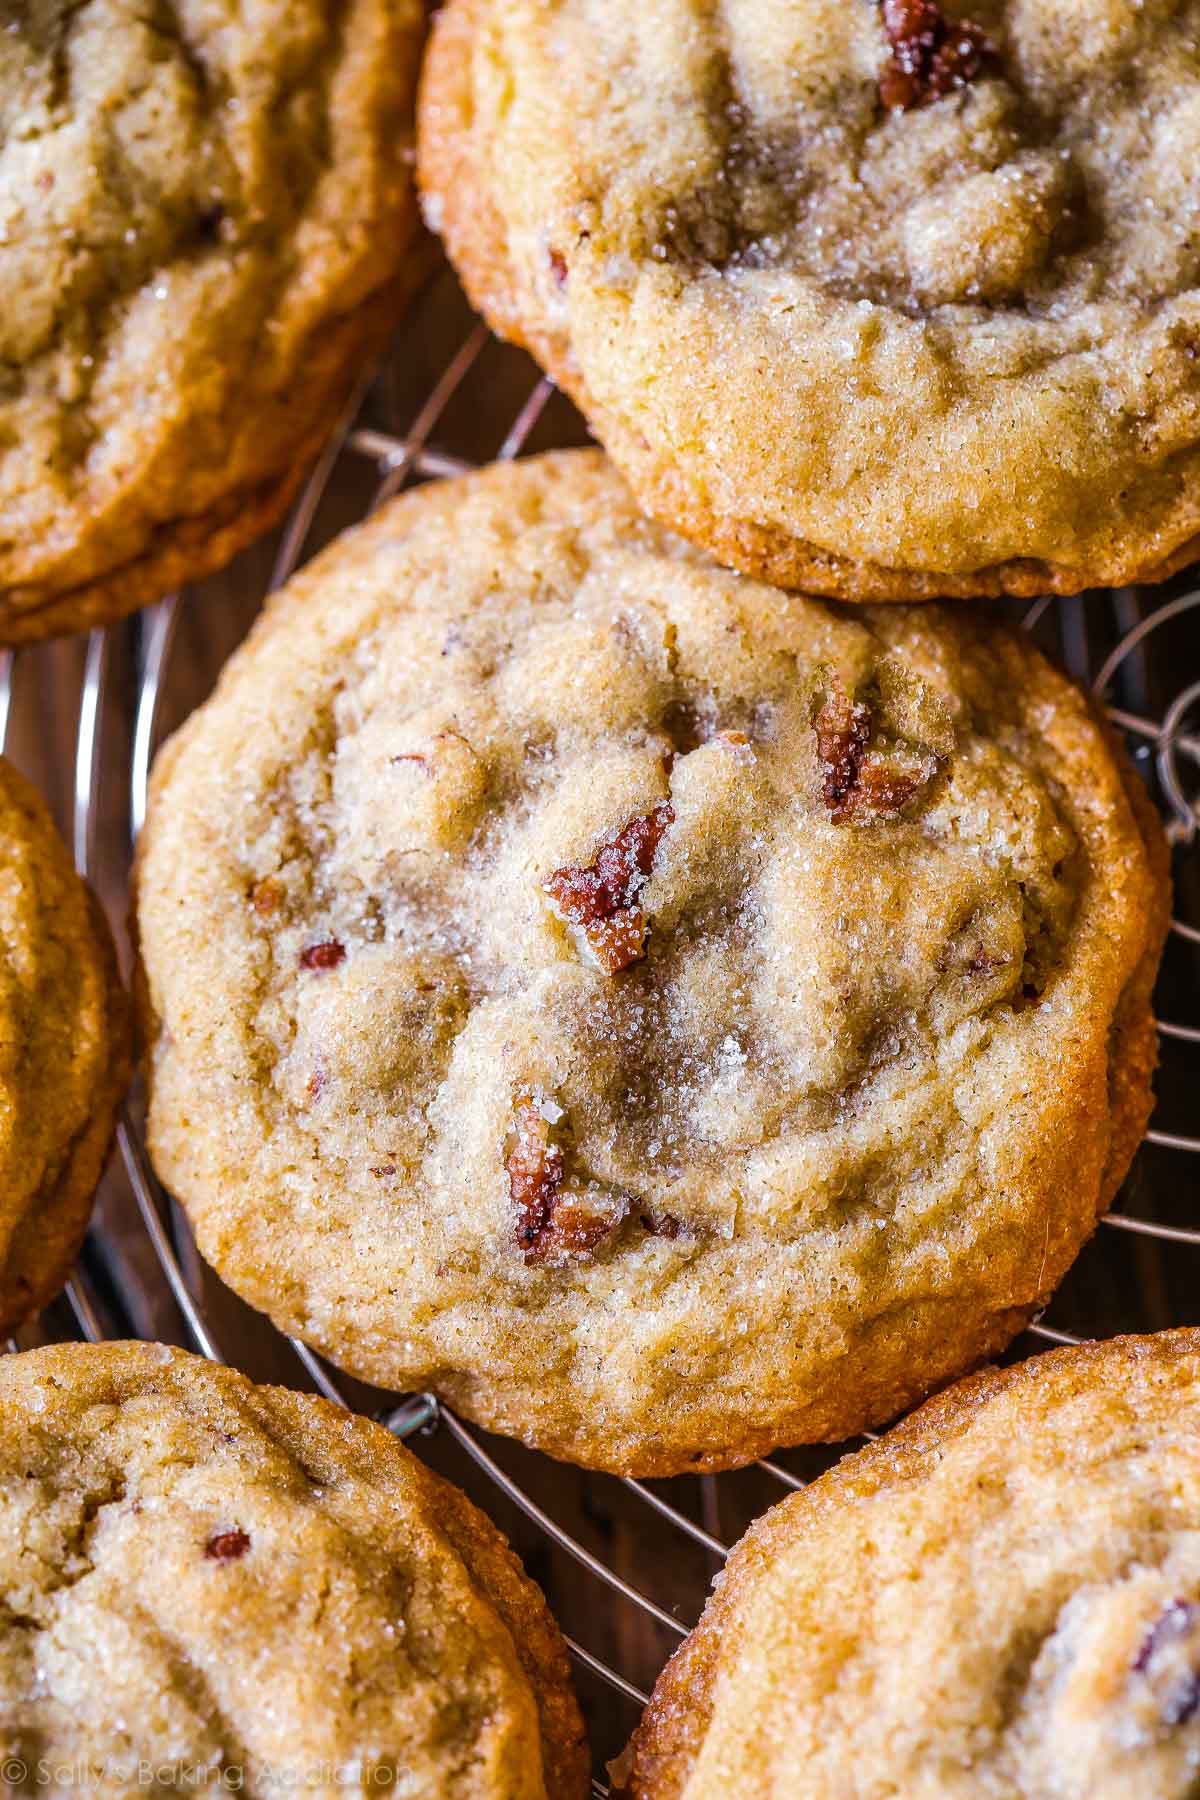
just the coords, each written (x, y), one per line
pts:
(452, 166)
(865, 1396)
(658, 1759)
(190, 549)
(490, 1561)
(48, 1242)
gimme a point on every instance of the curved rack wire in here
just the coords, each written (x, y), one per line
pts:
(1167, 747)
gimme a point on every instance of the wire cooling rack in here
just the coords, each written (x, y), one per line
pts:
(626, 1564)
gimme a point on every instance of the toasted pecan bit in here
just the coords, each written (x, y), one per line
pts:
(553, 1225)
(316, 1084)
(601, 898)
(535, 1172)
(227, 1546)
(558, 266)
(885, 787)
(384, 1170)
(931, 54)
(859, 783)
(323, 956)
(579, 1220)
(843, 728)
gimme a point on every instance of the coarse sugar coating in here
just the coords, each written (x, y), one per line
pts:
(245, 1590)
(664, 1016)
(207, 226)
(883, 301)
(64, 1052)
(998, 1601)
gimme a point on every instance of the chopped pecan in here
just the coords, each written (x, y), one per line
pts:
(843, 728)
(227, 1546)
(579, 1220)
(553, 1225)
(601, 898)
(323, 956)
(931, 54)
(1169, 1658)
(558, 266)
(535, 1171)
(858, 782)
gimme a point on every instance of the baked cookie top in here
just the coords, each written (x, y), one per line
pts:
(64, 1052)
(255, 1587)
(1002, 1598)
(203, 210)
(666, 1016)
(880, 300)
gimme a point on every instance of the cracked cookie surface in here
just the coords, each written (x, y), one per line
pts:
(259, 1591)
(879, 301)
(665, 1016)
(64, 1052)
(998, 1601)
(207, 224)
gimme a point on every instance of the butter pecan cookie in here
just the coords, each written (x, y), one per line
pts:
(248, 1590)
(208, 225)
(1002, 1598)
(64, 1052)
(665, 1016)
(883, 301)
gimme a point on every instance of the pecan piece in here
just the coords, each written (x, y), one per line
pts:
(227, 1546)
(600, 899)
(579, 1220)
(843, 728)
(554, 1225)
(931, 54)
(323, 956)
(858, 782)
(535, 1172)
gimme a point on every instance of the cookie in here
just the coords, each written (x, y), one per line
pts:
(64, 1052)
(664, 1016)
(209, 226)
(1000, 1598)
(880, 301)
(259, 1591)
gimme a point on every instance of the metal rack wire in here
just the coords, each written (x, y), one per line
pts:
(1111, 642)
